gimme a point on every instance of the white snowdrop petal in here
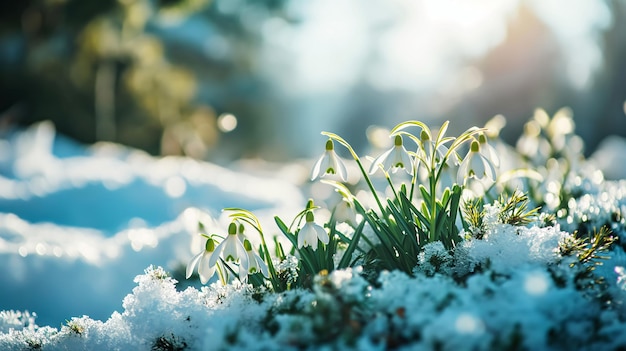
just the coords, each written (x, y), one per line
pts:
(489, 171)
(216, 254)
(321, 234)
(264, 269)
(477, 165)
(192, 264)
(327, 163)
(463, 171)
(241, 254)
(407, 161)
(318, 167)
(301, 239)
(383, 160)
(340, 168)
(205, 269)
(231, 251)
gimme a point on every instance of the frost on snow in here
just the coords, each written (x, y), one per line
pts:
(497, 308)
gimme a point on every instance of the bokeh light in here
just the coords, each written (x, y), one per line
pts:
(168, 77)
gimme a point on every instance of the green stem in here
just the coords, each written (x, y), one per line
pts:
(414, 178)
(433, 209)
(220, 274)
(370, 185)
(395, 194)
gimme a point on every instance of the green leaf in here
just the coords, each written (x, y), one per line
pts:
(340, 188)
(442, 132)
(407, 124)
(425, 196)
(345, 259)
(343, 142)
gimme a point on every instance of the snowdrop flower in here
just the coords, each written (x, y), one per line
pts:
(231, 248)
(345, 212)
(475, 165)
(488, 151)
(255, 262)
(395, 158)
(202, 260)
(329, 163)
(439, 154)
(311, 232)
(532, 144)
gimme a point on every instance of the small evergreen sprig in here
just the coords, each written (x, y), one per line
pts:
(587, 251)
(514, 209)
(508, 209)
(474, 215)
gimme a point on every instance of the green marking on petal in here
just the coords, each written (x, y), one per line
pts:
(330, 170)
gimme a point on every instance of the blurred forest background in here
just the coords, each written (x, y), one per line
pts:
(228, 79)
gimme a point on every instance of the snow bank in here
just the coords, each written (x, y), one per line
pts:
(77, 224)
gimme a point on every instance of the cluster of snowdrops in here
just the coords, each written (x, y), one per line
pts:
(441, 198)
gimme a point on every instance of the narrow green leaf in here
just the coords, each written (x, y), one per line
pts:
(425, 196)
(345, 259)
(442, 132)
(407, 124)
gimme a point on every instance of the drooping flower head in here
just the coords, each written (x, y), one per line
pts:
(231, 248)
(345, 212)
(310, 233)
(202, 260)
(475, 165)
(255, 262)
(439, 153)
(395, 158)
(329, 163)
(487, 150)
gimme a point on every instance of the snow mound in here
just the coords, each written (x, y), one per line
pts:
(78, 223)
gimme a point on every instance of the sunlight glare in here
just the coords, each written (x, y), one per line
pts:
(578, 29)
(468, 324)
(175, 187)
(41, 249)
(140, 237)
(227, 122)
(536, 284)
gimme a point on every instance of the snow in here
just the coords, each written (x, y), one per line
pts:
(79, 225)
